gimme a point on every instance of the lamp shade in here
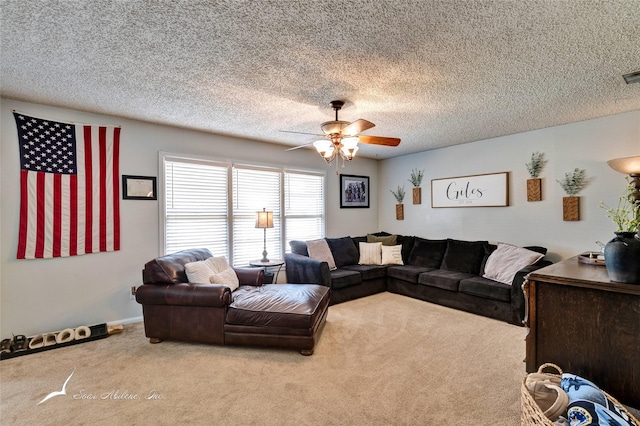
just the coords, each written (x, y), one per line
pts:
(626, 165)
(264, 219)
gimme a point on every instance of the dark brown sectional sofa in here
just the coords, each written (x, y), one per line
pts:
(447, 272)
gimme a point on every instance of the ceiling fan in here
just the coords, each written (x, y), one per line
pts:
(342, 137)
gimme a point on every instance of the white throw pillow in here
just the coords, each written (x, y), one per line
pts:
(503, 264)
(392, 255)
(370, 254)
(198, 272)
(319, 249)
(217, 264)
(227, 277)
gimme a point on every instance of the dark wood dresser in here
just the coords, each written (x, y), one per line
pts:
(585, 324)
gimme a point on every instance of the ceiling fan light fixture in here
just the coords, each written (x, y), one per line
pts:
(325, 148)
(349, 147)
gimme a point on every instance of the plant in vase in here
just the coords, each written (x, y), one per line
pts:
(572, 184)
(416, 181)
(622, 254)
(534, 185)
(399, 195)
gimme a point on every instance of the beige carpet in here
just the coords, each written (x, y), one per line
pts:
(382, 360)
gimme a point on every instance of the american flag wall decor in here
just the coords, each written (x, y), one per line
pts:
(69, 188)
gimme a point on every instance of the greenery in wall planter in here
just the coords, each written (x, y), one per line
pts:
(399, 195)
(572, 184)
(534, 185)
(416, 181)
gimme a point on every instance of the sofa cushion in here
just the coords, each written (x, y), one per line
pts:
(486, 288)
(343, 250)
(407, 273)
(427, 253)
(319, 249)
(341, 278)
(506, 260)
(392, 255)
(464, 256)
(299, 247)
(442, 278)
(278, 305)
(368, 272)
(407, 242)
(370, 254)
(387, 240)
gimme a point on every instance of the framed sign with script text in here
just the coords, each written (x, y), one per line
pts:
(488, 190)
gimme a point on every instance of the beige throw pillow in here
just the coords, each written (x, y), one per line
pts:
(319, 249)
(503, 264)
(198, 272)
(227, 277)
(392, 255)
(370, 254)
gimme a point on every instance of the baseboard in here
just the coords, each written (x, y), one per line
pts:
(126, 321)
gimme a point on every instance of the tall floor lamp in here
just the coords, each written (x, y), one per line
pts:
(631, 167)
(264, 220)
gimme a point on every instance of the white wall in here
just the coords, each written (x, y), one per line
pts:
(52, 294)
(586, 145)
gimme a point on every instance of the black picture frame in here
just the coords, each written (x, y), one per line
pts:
(354, 192)
(139, 187)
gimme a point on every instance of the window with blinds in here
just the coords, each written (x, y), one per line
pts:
(213, 205)
(303, 206)
(196, 206)
(253, 190)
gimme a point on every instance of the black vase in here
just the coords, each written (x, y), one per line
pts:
(622, 257)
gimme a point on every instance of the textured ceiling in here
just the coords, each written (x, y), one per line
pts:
(433, 73)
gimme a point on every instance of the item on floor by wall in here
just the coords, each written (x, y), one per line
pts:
(487, 190)
(534, 185)
(572, 183)
(416, 181)
(21, 345)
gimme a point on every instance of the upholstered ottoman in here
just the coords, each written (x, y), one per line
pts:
(278, 315)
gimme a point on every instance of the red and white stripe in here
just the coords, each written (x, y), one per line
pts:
(67, 215)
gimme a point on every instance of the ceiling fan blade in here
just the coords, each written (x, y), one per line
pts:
(304, 133)
(299, 146)
(379, 140)
(357, 126)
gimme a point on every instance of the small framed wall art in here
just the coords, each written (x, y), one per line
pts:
(354, 191)
(139, 188)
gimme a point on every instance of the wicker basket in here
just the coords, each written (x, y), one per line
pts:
(532, 415)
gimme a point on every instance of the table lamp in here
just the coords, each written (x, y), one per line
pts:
(264, 220)
(631, 167)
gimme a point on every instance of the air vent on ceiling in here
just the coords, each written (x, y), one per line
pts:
(633, 77)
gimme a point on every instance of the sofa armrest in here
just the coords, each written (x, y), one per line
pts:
(517, 295)
(305, 270)
(184, 294)
(250, 276)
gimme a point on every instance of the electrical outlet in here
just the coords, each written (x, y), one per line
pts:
(132, 295)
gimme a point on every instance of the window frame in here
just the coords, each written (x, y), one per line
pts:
(230, 164)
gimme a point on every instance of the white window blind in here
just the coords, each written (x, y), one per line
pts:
(304, 206)
(213, 204)
(196, 206)
(253, 190)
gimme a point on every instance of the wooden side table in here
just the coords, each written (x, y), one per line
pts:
(272, 263)
(585, 324)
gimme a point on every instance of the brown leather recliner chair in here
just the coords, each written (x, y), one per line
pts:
(280, 315)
